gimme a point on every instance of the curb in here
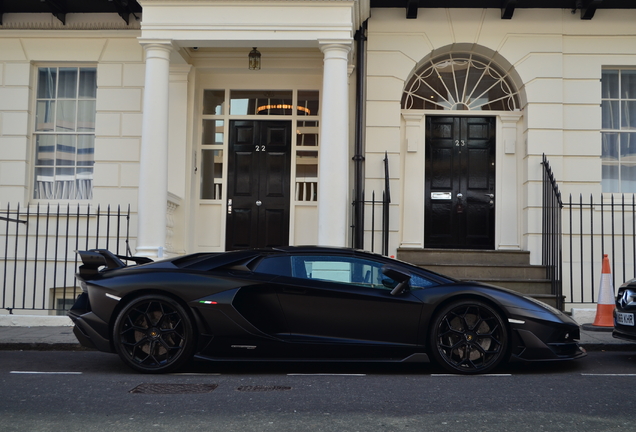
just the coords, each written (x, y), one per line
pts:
(40, 346)
(594, 328)
(598, 347)
(35, 321)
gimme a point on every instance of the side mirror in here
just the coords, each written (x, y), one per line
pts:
(398, 276)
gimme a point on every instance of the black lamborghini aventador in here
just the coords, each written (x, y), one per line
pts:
(307, 303)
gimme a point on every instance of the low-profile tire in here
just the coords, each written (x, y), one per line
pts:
(154, 334)
(468, 337)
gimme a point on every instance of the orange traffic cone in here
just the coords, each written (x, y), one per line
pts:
(605, 305)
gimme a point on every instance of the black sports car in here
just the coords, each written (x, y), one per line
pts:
(307, 303)
(624, 312)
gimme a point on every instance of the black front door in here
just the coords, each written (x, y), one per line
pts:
(258, 184)
(460, 183)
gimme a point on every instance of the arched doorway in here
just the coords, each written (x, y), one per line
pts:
(456, 101)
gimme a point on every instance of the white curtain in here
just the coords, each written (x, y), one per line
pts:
(61, 188)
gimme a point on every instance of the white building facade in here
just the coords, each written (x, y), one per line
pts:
(163, 113)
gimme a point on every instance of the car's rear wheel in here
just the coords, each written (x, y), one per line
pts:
(154, 334)
(468, 337)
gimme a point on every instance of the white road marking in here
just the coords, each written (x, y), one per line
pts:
(45, 373)
(477, 375)
(326, 374)
(616, 375)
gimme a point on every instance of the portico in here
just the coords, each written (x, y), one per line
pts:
(174, 35)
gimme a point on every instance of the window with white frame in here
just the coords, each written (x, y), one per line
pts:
(618, 132)
(461, 81)
(307, 147)
(256, 104)
(64, 132)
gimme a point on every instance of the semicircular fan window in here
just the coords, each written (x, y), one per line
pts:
(460, 82)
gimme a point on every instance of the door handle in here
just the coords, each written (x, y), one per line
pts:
(229, 206)
(258, 203)
(459, 207)
(492, 200)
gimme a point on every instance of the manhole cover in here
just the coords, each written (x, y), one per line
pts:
(258, 388)
(174, 388)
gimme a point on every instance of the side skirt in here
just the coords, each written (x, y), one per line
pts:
(414, 358)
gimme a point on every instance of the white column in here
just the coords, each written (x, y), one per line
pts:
(177, 152)
(333, 172)
(153, 171)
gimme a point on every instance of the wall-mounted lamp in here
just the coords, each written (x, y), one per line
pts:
(255, 59)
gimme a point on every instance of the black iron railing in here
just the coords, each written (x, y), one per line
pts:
(552, 239)
(38, 255)
(373, 205)
(573, 248)
(595, 228)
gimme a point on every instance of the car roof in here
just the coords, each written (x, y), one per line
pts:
(313, 249)
(219, 259)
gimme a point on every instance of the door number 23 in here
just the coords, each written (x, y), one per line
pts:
(259, 148)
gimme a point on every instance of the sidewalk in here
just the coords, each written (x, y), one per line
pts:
(43, 338)
(602, 340)
(62, 338)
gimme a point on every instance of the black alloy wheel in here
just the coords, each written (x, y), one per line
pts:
(469, 337)
(154, 334)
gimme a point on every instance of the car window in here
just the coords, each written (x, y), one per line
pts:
(418, 282)
(348, 270)
(278, 265)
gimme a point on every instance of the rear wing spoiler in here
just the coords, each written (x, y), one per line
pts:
(93, 260)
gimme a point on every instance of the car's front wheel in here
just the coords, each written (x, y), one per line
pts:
(154, 334)
(468, 337)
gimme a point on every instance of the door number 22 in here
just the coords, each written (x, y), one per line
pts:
(259, 148)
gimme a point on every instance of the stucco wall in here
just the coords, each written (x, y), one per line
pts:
(120, 72)
(558, 58)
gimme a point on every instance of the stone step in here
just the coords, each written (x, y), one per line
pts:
(483, 271)
(426, 257)
(507, 269)
(522, 286)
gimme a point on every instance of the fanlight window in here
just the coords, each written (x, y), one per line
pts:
(460, 82)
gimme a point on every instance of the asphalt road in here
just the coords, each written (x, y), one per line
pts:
(92, 391)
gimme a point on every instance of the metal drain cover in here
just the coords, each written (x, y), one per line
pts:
(259, 388)
(174, 388)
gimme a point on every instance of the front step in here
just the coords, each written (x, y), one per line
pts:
(463, 256)
(486, 271)
(508, 269)
(522, 286)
